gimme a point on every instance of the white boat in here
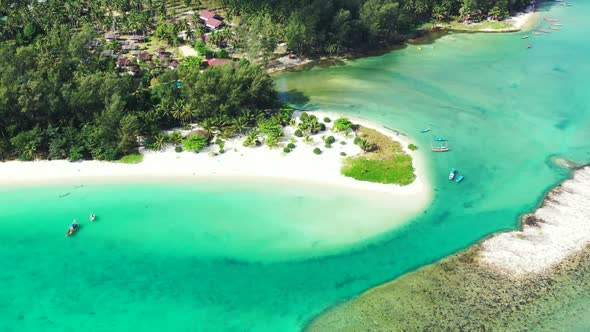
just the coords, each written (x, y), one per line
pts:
(452, 174)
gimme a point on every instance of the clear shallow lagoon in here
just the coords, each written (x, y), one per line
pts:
(216, 257)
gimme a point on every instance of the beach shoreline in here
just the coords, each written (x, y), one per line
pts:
(238, 162)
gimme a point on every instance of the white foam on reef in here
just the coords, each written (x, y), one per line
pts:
(556, 230)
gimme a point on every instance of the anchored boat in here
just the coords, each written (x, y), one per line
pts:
(72, 229)
(459, 178)
(425, 130)
(452, 174)
(443, 148)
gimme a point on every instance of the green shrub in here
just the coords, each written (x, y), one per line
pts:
(134, 158)
(328, 145)
(412, 147)
(76, 153)
(291, 146)
(342, 124)
(178, 149)
(218, 141)
(342, 143)
(195, 143)
(286, 150)
(317, 151)
(298, 133)
(327, 120)
(322, 127)
(343, 154)
(357, 140)
(330, 139)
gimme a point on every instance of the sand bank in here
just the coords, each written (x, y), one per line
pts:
(237, 162)
(526, 20)
(559, 228)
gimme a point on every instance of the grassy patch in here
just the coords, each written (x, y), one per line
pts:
(134, 158)
(387, 164)
(485, 25)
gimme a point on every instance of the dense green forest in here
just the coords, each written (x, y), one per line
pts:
(331, 26)
(60, 98)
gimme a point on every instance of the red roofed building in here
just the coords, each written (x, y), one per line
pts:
(206, 15)
(123, 62)
(217, 62)
(144, 56)
(213, 23)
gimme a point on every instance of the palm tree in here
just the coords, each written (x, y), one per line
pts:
(217, 38)
(207, 125)
(177, 109)
(160, 141)
(250, 116)
(251, 138)
(164, 111)
(221, 121)
(272, 142)
(175, 138)
(190, 34)
(187, 114)
(315, 127)
(183, 24)
(29, 152)
(240, 123)
(307, 139)
(366, 146)
(252, 135)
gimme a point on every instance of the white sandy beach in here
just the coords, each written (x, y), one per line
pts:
(526, 20)
(237, 162)
(563, 228)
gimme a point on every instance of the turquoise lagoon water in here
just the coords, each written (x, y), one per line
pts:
(214, 256)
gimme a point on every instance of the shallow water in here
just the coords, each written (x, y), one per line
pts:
(188, 257)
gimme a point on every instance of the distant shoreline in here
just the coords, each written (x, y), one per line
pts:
(521, 22)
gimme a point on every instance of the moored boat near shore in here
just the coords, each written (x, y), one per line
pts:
(452, 174)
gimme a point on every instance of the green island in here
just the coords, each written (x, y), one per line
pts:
(383, 161)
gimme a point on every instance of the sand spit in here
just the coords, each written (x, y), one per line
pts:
(560, 227)
(237, 162)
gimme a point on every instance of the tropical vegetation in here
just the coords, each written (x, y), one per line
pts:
(319, 26)
(383, 160)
